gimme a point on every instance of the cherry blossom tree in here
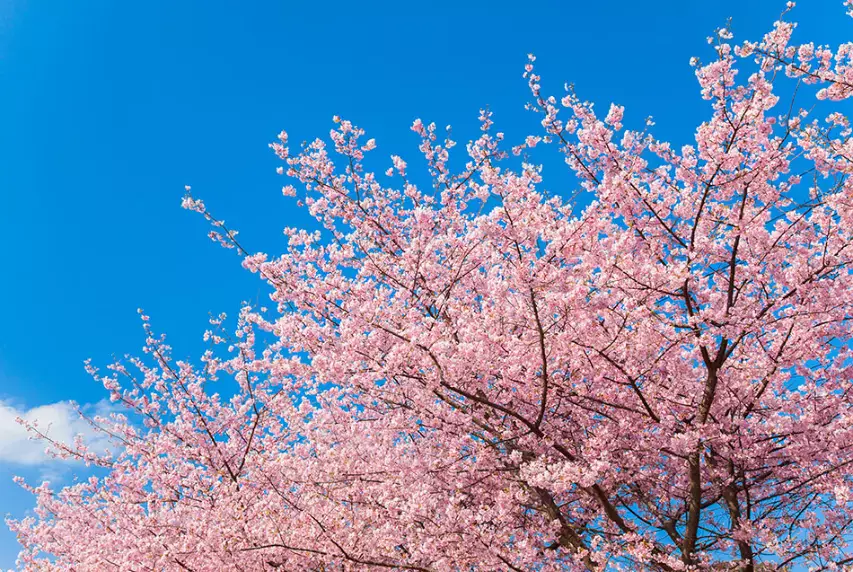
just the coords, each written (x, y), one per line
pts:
(470, 373)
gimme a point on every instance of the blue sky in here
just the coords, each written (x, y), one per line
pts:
(110, 108)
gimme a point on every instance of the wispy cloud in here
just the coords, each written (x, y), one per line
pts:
(59, 421)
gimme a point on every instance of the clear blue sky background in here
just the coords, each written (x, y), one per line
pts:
(108, 109)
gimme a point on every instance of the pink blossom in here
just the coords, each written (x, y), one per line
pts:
(473, 373)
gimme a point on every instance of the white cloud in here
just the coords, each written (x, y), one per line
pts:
(60, 421)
